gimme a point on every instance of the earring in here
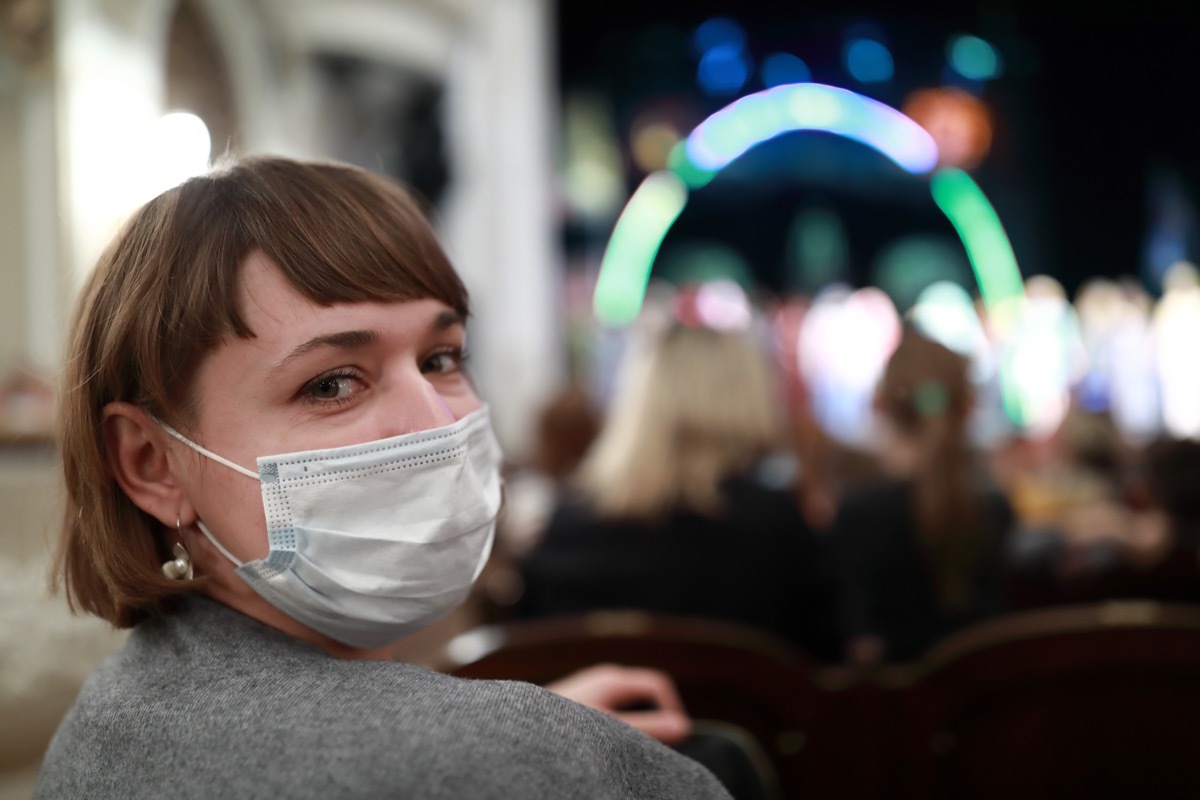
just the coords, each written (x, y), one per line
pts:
(181, 566)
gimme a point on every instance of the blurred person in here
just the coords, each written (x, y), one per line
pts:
(1077, 469)
(683, 505)
(1074, 503)
(920, 551)
(565, 427)
(1161, 548)
(308, 310)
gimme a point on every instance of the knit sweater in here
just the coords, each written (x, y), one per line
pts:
(208, 703)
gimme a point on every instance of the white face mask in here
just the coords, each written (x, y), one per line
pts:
(373, 541)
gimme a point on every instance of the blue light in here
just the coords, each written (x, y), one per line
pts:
(658, 202)
(723, 70)
(869, 61)
(780, 68)
(716, 32)
(809, 106)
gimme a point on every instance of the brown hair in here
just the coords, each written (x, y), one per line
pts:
(925, 392)
(566, 426)
(164, 296)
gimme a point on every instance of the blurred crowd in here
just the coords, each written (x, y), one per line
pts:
(713, 481)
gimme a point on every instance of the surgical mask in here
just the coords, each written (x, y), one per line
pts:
(372, 541)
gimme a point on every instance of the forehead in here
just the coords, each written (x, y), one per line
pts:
(280, 316)
(265, 300)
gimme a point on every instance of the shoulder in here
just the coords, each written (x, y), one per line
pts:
(366, 729)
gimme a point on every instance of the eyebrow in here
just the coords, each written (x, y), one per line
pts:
(350, 340)
(445, 320)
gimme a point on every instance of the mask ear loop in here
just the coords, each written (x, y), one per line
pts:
(208, 535)
(220, 460)
(209, 453)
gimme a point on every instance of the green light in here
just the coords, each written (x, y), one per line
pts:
(987, 246)
(640, 230)
(974, 58)
(679, 163)
(992, 258)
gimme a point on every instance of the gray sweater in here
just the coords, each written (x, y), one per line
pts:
(208, 703)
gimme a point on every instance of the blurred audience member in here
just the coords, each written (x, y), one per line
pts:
(1077, 486)
(1161, 548)
(684, 506)
(921, 550)
(564, 430)
(1075, 502)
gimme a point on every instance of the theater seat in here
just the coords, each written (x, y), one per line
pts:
(1095, 701)
(731, 678)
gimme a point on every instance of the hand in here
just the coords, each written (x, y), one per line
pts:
(613, 689)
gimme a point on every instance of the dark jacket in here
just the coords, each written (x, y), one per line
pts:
(887, 587)
(756, 563)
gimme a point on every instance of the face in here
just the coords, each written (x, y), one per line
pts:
(314, 377)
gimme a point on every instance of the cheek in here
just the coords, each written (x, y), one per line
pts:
(463, 403)
(230, 506)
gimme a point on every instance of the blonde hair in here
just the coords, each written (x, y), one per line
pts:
(926, 393)
(696, 406)
(164, 296)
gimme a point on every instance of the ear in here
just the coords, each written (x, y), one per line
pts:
(143, 465)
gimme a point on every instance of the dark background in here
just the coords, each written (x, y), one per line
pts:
(1095, 99)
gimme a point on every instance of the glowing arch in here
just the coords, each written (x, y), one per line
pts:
(751, 120)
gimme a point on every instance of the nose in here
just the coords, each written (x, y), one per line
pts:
(415, 405)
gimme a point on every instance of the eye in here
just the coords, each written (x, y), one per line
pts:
(333, 387)
(445, 362)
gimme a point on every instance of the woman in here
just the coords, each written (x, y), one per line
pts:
(682, 507)
(920, 551)
(306, 310)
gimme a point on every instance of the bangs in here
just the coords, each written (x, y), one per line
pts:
(341, 235)
(336, 233)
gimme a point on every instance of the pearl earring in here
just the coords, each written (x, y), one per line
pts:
(181, 566)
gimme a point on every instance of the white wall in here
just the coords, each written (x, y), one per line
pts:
(68, 140)
(495, 57)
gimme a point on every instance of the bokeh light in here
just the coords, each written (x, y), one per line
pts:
(868, 61)
(700, 262)
(652, 138)
(722, 305)
(723, 70)
(1176, 331)
(818, 252)
(844, 341)
(906, 266)
(973, 58)
(1043, 357)
(958, 121)
(625, 267)
(718, 32)
(987, 246)
(780, 68)
(946, 313)
(592, 173)
(756, 118)
(177, 147)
